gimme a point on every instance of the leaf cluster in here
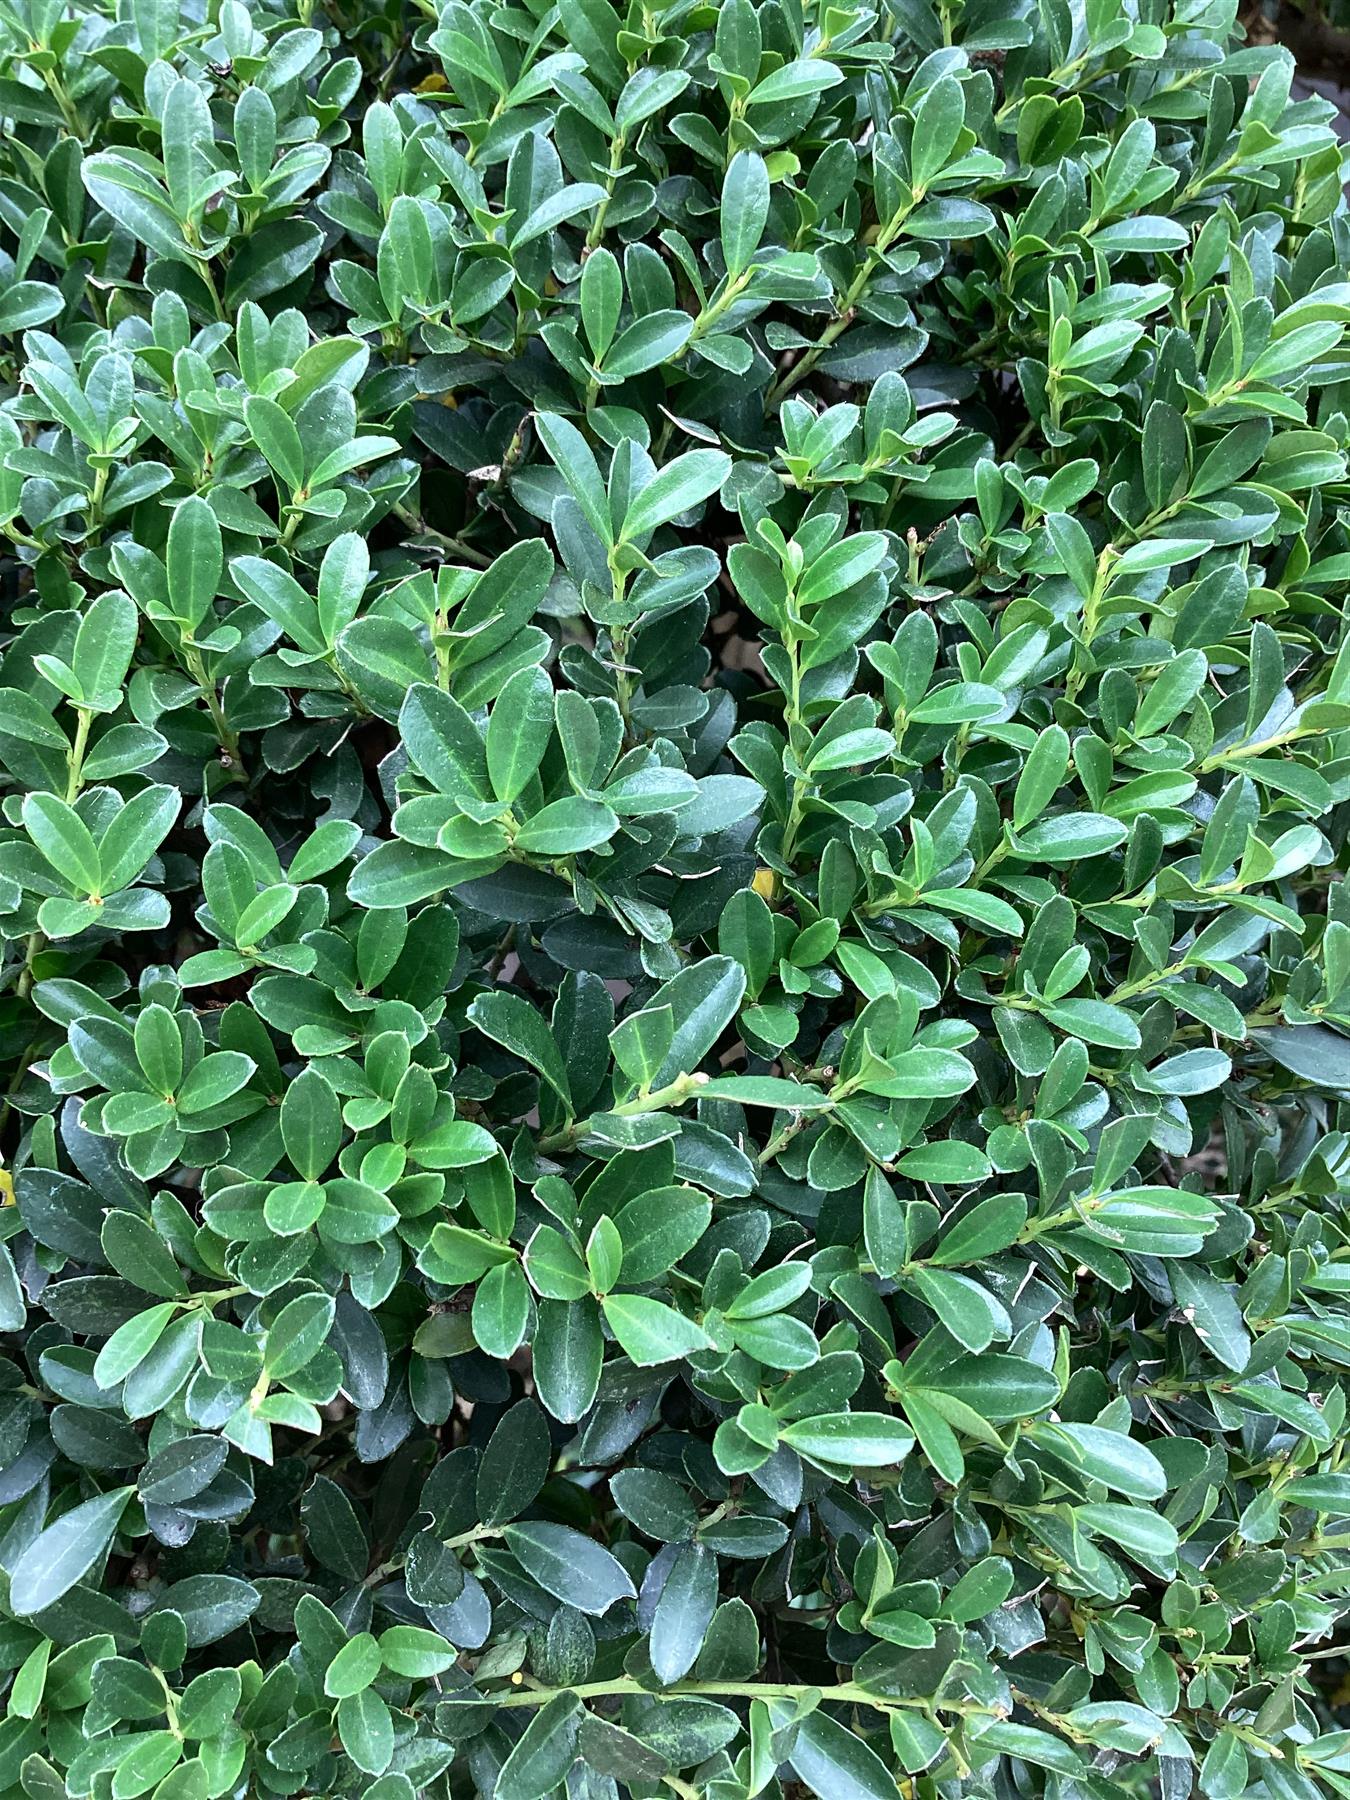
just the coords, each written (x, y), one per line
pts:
(674, 986)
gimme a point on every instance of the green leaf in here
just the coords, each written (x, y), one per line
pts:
(1322, 1493)
(1119, 1462)
(274, 432)
(1213, 1314)
(854, 1440)
(973, 1315)
(793, 81)
(462, 1256)
(134, 834)
(1071, 837)
(139, 1253)
(297, 1334)
(122, 189)
(415, 1654)
(1095, 1022)
(567, 827)
(65, 841)
(555, 1267)
(65, 1552)
(13, 1307)
(103, 650)
(444, 743)
(675, 489)
(683, 1612)
(568, 1348)
(649, 341)
(1073, 547)
(938, 119)
(182, 1470)
(366, 1728)
(311, 1124)
(519, 730)
(641, 1042)
(703, 1000)
(194, 560)
(24, 717)
(985, 1229)
(745, 209)
(831, 1760)
(577, 466)
(650, 1332)
(1310, 1051)
(354, 1667)
(1132, 1528)
(601, 299)
(658, 1228)
(544, 1753)
(159, 1048)
(501, 1311)
(515, 1463)
(999, 1388)
(767, 1090)
(571, 1567)
(513, 1023)
(454, 1144)
(131, 1343)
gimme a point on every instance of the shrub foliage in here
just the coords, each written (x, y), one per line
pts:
(674, 734)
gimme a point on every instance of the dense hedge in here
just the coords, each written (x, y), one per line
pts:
(675, 733)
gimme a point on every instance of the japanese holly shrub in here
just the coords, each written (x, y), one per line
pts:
(675, 732)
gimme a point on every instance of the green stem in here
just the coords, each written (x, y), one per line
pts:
(732, 292)
(1067, 1215)
(1206, 178)
(798, 737)
(393, 1564)
(781, 1139)
(809, 358)
(209, 283)
(76, 754)
(1222, 757)
(170, 1701)
(64, 101)
(1315, 1545)
(456, 545)
(597, 230)
(848, 1693)
(1061, 78)
(853, 294)
(96, 497)
(621, 650)
(32, 949)
(1154, 978)
(676, 1094)
(1000, 851)
(1082, 651)
(229, 742)
(471, 153)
